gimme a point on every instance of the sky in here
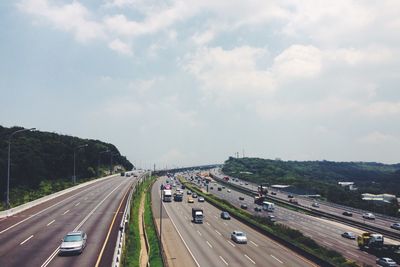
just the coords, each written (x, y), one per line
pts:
(191, 82)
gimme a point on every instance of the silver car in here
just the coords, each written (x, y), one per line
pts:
(239, 237)
(73, 242)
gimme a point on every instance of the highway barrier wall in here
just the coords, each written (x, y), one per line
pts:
(28, 205)
(292, 239)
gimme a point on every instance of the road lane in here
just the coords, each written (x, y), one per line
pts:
(97, 206)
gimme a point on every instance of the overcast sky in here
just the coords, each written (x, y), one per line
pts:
(188, 82)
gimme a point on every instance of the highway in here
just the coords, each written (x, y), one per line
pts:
(325, 232)
(210, 242)
(32, 237)
(381, 221)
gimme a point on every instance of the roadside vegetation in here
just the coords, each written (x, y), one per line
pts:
(276, 230)
(322, 177)
(131, 254)
(42, 163)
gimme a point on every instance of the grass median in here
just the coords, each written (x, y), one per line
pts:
(279, 231)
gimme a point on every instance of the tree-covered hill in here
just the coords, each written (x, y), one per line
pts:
(321, 177)
(37, 156)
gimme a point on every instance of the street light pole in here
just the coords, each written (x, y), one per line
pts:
(9, 163)
(98, 162)
(75, 149)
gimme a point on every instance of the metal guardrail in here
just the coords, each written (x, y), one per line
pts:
(365, 227)
(121, 232)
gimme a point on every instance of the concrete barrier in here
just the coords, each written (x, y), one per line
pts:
(20, 208)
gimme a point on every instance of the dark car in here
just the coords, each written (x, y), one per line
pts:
(189, 192)
(219, 188)
(273, 193)
(347, 213)
(290, 196)
(241, 198)
(243, 206)
(225, 215)
(257, 208)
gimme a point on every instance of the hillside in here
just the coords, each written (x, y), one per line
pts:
(43, 156)
(322, 177)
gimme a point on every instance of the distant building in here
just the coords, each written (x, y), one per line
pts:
(387, 198)
(279, 186)
(350, 185)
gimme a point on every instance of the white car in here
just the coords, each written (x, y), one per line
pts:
(239, 237)
(395, 226)
(73, 242)
(386, 262)
(368, 216)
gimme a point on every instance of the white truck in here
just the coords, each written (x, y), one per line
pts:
(197, 215)
(268, 206)
(167, 195)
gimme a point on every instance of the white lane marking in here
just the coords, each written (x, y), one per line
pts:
(33, 215)
(329, 244)
(322, 235)
(341, 242)
(186, 217)
(348, 252)
(278, 260)
(51, 257)
(65, 212)
(208, 243)
(249, 259)
(51, 222)
(233, 245)
(253, 243)
(222, 259)
(77, 204)
(199, 232)
(215, 217)
(183, 240)
(23, 242)
(218, 232)
(207, 223)
(225, 223)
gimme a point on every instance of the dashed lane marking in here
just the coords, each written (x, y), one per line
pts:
(51, 222)
(23, 242)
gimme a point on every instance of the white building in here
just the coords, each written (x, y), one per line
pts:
(381, 197)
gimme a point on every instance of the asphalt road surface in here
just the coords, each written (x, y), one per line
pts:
(32, 238)
(210, 242)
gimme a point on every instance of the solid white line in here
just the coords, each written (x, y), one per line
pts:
(77, 204)
(218, 232)
(51, 222)
(233, 245)
(276, 259)
(65, 212)
(208, 243)
(223, 260)
(183, 240)
(23, 242)
(253, 243)
(49, 259)
(249, 259)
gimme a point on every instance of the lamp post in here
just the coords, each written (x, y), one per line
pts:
(98, 162)
(75, 149)
(9, 161)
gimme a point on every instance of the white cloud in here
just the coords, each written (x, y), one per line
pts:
(379, 138)
(72, 17)
(121, 47)
(204, 37)
(379, 109)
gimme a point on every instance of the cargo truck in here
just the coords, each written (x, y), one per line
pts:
(374, 244)
(167, 195)
(268, 206)
(197, 215)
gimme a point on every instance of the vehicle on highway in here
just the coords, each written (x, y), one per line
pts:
(183, 186)
(368, 216)
(219, 188)
(189, 192)
(197, 215)
(257, 208)
(239, 237)
(273, 193)
(211, 188)
(293, 201)
(271, 218)
(167, 195)
(228, 191)
(349, 235)
(347, 213)
(315, 204)
(395, 226)
(268, 206)
(194, 195)
(386, 262)
(223, 187)
(178, 197)
(241, 198)
(225, 215)
(200, 199)
(190, 200)
(290, 196)
(243, 206)
(73, 242)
